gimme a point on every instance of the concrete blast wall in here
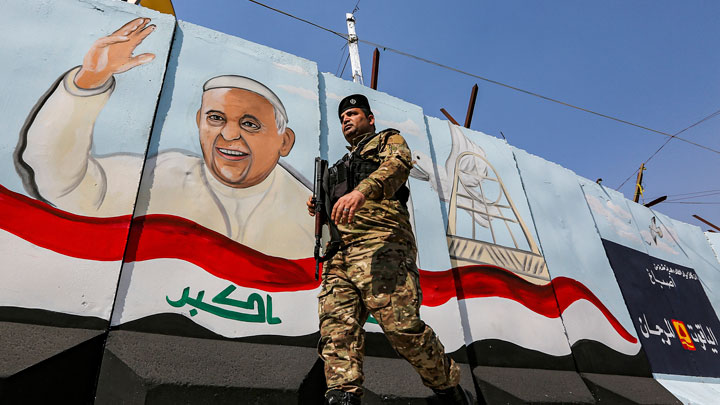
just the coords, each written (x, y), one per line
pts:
(156, 247)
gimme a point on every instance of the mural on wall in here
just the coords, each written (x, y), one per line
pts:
(504, 287)
(203, 221)
(598, 325)
(67, 205)
(701, 257)
(54, 156)
(671, 313)
(469, 185)
(221, 235)
(714, 239)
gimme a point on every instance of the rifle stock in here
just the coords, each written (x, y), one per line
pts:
(323, 206)
(318, 200)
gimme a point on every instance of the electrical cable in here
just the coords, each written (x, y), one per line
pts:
(680, 132)
(386, 48)
(693, 197)
(690, 202)
(715, 114)
(687, 196)
(698, 195)
(693, 193)
(346, 61)
(300, 19)
(342, 53)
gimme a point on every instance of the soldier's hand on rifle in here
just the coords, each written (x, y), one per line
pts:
(345, 208)
(114, 54)
(311, 206)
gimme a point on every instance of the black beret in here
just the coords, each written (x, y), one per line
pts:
(354, 101)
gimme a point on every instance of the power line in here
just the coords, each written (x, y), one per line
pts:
(538, 95)
(386, 48)
(693, 193)
(342, 53)
(694, 197)
(682, 197)
(698, 195)
(680, 132)
(346, 61)
(715, 114)
(300, 19)
(691, 202)
(685, 196)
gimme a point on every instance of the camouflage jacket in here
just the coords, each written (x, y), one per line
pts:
(382, 218)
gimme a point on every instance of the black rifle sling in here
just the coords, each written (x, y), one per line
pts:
(335, 242)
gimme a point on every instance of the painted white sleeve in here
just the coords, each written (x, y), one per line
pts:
(58, 148)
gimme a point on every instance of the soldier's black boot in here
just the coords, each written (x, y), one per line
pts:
(337, 397)
(452, 396)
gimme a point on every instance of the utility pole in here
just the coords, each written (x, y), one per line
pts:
(638, 183)
(353, 49)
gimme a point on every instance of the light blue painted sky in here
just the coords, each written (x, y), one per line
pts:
(650, 62)
(50, 46)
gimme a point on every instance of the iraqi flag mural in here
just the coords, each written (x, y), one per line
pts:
(64, 218)
(671, 312)
(602, 337)
(47, 264)
(177, 266)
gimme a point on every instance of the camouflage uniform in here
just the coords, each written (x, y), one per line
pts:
(375, 273)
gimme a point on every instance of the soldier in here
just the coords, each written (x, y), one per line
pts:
(374, 272)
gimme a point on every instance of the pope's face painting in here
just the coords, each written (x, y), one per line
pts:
(239, 136)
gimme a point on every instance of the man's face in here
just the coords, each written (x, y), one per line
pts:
(239, 136)
(354, 122)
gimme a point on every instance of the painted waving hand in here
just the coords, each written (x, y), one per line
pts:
(114, 54)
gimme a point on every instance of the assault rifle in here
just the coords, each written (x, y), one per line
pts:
(322, 204)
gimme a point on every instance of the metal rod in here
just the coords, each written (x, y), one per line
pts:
(706, 221)
(656, 201)
(449, 117)
(471, 106)
(376, 63)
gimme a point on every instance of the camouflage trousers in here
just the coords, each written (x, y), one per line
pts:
(382, 281)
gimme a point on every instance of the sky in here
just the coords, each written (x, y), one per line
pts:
(652, 63)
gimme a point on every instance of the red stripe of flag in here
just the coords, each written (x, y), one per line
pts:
(167, 236)
(69, 234)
